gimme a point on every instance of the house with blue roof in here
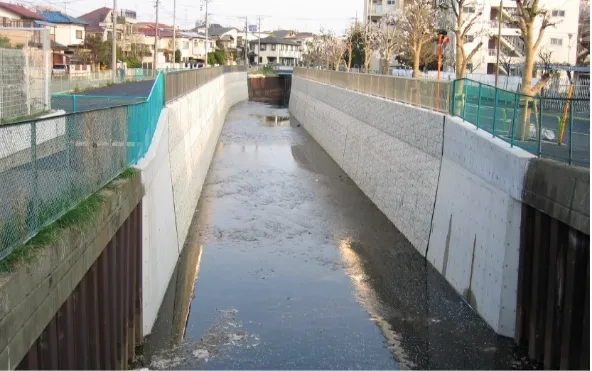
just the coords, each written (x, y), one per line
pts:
(68, 30)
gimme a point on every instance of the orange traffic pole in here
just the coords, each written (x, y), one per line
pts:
(565, 113)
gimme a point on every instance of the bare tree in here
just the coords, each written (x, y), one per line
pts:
(336, 48)
(525, 18)
(314, 52)
(545, 60)
(349, 45)
(415, 27)
(464, 26)
(371, 42)
(388, 41)
(583, 49)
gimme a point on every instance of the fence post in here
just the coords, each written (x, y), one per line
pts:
(479, 105)
(570, 131)
(74, 105)
(466, 98)
(514, 119)
(495, 111)
(35, 175)
(540, 146)
(453, 97)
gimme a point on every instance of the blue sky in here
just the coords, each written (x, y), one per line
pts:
(304, 15)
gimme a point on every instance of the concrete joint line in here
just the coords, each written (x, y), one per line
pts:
(437, 186)
(179, 249)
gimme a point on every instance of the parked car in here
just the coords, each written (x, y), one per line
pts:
(59, 69)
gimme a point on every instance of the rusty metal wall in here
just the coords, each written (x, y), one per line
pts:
(553, 313)
(100, 323)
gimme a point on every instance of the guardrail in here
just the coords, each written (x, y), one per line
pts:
(556, 128)
(179, 83)
(49, 165)
(429, 94)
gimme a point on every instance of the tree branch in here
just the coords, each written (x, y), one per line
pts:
(474, 51)
(470, 25)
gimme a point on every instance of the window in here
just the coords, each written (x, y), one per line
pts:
(469, 38)
(558, 13)
(391, 2)
(185, 44)
(273, 46)
(263, 46)
(195, 45)
(468, 9)
(557, 42)
(79, 34)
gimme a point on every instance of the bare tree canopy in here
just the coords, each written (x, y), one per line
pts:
(370, 35)
(465, 24)
(415, 26)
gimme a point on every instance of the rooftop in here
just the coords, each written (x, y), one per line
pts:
(21, 11)
(276, 40)
(61, 18)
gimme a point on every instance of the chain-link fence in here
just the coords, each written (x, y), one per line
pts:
(429, 94)
(179, 83)
(556, 128)
(68, 82)
(24, 73)
(49, 165)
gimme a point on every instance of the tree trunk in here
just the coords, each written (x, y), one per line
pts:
(416, 57)
(523, 126)
(386, 64)
(349, 59)
(367, 57)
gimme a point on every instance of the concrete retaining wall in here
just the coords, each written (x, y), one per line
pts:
(391, 151)
(452, 190)
(173, 173)
(475, 237)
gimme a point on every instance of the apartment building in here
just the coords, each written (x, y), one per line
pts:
(559, 41)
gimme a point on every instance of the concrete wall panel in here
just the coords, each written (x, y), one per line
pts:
(173, 173)
(390, 150)
(416, 164)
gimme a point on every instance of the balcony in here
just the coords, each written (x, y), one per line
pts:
(376, 10)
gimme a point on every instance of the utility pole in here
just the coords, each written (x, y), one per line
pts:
(206, 46)
(114, 44)
(259, 49)
(499, 36)
(246, 41)
(175, 32)
(156, 38)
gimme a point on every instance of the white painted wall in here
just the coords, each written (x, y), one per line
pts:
(173, 172)
(65, 34)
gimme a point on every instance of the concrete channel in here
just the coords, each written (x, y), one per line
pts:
(288, 265)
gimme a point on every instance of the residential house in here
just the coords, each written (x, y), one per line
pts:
(190, 44)
(276, 50)
(100, 22)
(12, 15)
(226, 37)
(68, 30)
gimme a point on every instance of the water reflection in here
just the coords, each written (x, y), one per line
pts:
(275, 121)
(171, 323)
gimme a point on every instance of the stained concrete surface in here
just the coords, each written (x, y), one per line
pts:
(288, 265)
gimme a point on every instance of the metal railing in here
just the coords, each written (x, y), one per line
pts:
(552, 127)
(179, 83)
(556, 128)
(429, 94)
(49, 165)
